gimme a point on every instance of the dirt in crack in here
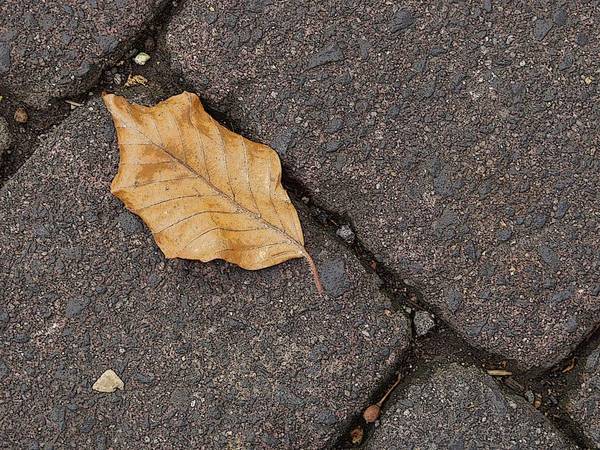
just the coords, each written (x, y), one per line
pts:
(543, 389)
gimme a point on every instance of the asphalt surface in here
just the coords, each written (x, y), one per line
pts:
(455, 407)
(459, 138)
(583, 403)
(56, 48)
(211, 356)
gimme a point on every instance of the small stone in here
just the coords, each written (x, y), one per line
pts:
(402, 20)
(4, 57)
(144, 378)
(454, 299)
(75, 306)
(141, 58)
(109, 381)
(330, 54)
(530, 396)
(346, 233)
(423, 322)
(3, 370)
(88, 424)
(21, 115)
(567, 61)
(541, 29)
(282, 141)
(332, 146)
(5, 136)
(149, 44)
(334, 125)
(334, 277)
(582, 39)
(504, 234)
(561, 209)
(560, 16)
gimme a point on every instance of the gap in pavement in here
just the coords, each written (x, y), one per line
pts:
(25, 137)
(551, 383)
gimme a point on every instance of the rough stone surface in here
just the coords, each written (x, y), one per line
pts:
(456, 407)
(583, 403)
(56, 48)
(212, 356)
(5, 136)
(462, 146)
(423, 323)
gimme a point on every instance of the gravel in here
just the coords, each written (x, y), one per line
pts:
(211, 355)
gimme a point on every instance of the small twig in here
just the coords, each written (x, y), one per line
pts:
(389, 391)
(315, 273)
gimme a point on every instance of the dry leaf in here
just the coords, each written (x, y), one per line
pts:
(499, 373)
(134, 80)
(205, 192)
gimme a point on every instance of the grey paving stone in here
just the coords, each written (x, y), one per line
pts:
(455, 407)
(211, 356)
(583, 403)
(465, 158)
(56, 48)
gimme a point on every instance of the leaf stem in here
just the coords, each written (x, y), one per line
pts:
(315, 272)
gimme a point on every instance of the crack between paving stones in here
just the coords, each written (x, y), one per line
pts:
(404, 295)
(58, 110)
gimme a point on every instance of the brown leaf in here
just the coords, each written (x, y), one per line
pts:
(205, 192)
(134, 80)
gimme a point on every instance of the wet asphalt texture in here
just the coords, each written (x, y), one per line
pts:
(459, 141)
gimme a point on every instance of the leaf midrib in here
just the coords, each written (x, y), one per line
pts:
(236, 205)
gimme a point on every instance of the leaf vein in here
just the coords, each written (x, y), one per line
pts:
(199, 213)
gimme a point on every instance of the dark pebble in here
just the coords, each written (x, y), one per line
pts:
(582, 39)
(129, 223)
(332, 146)
(561, 209)
(335, 125)
(454, 299)
(541, 29)
(326, 417)
(335, 279)
(403, 18)
(88, 424)
(561, 296)
(567, 61)
(4, 57)
(560, 16)
(504, 234)
(548, 255)
(3, 370)
(282, 141)
(75, 306)
(144, 378)
(571, 325)
(330, 54)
